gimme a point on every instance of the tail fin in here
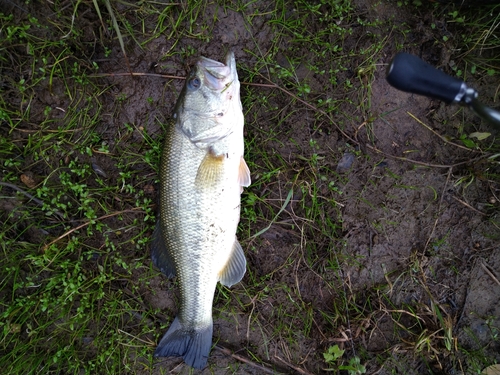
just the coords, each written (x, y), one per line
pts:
(193, 345)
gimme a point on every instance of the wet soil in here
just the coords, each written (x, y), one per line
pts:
(410, 237)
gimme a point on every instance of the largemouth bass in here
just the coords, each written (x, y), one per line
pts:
(202, 175)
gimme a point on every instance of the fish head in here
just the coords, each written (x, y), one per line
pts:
(217, 76)
(209, 104)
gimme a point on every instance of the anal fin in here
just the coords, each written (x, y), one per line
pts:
(235, 268)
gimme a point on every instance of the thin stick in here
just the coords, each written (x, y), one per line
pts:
(298, 369)
(49, 130)
(245, 360)
(25, 193)
(439, 209)
(485, 268)
(439, 135)
(469, 206)
(273, 85)
(17, 188)
(135, 75)
(374, 149)
(270, 85)
(87, 223)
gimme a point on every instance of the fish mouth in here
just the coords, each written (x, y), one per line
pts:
(218, 76)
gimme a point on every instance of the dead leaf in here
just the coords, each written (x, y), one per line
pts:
(491, 370)
(28, 180)
(479, 136)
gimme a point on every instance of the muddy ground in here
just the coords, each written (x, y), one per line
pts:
(410, 237)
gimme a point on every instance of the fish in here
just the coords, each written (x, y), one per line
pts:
(202, 175)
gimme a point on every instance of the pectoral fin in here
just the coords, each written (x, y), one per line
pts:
(210, 169)
(244, 174)
(159, 253)
(235, 268)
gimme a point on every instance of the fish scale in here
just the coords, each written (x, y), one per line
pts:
(202, 173)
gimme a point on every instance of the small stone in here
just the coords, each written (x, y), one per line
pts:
(346, 162)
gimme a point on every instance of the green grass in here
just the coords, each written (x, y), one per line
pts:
(77, 281)
(67, 303)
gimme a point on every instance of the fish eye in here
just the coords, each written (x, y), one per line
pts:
(194, 83)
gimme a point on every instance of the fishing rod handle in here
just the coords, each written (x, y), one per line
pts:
(410, 74)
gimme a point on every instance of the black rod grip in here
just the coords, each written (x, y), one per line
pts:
(410, 74)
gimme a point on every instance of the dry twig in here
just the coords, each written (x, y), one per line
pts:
(468, 206)
(240, 358)
(439, 209)
(28, 195)
(87, 223)
(485, 268)
(298, 369)
(439, 135)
